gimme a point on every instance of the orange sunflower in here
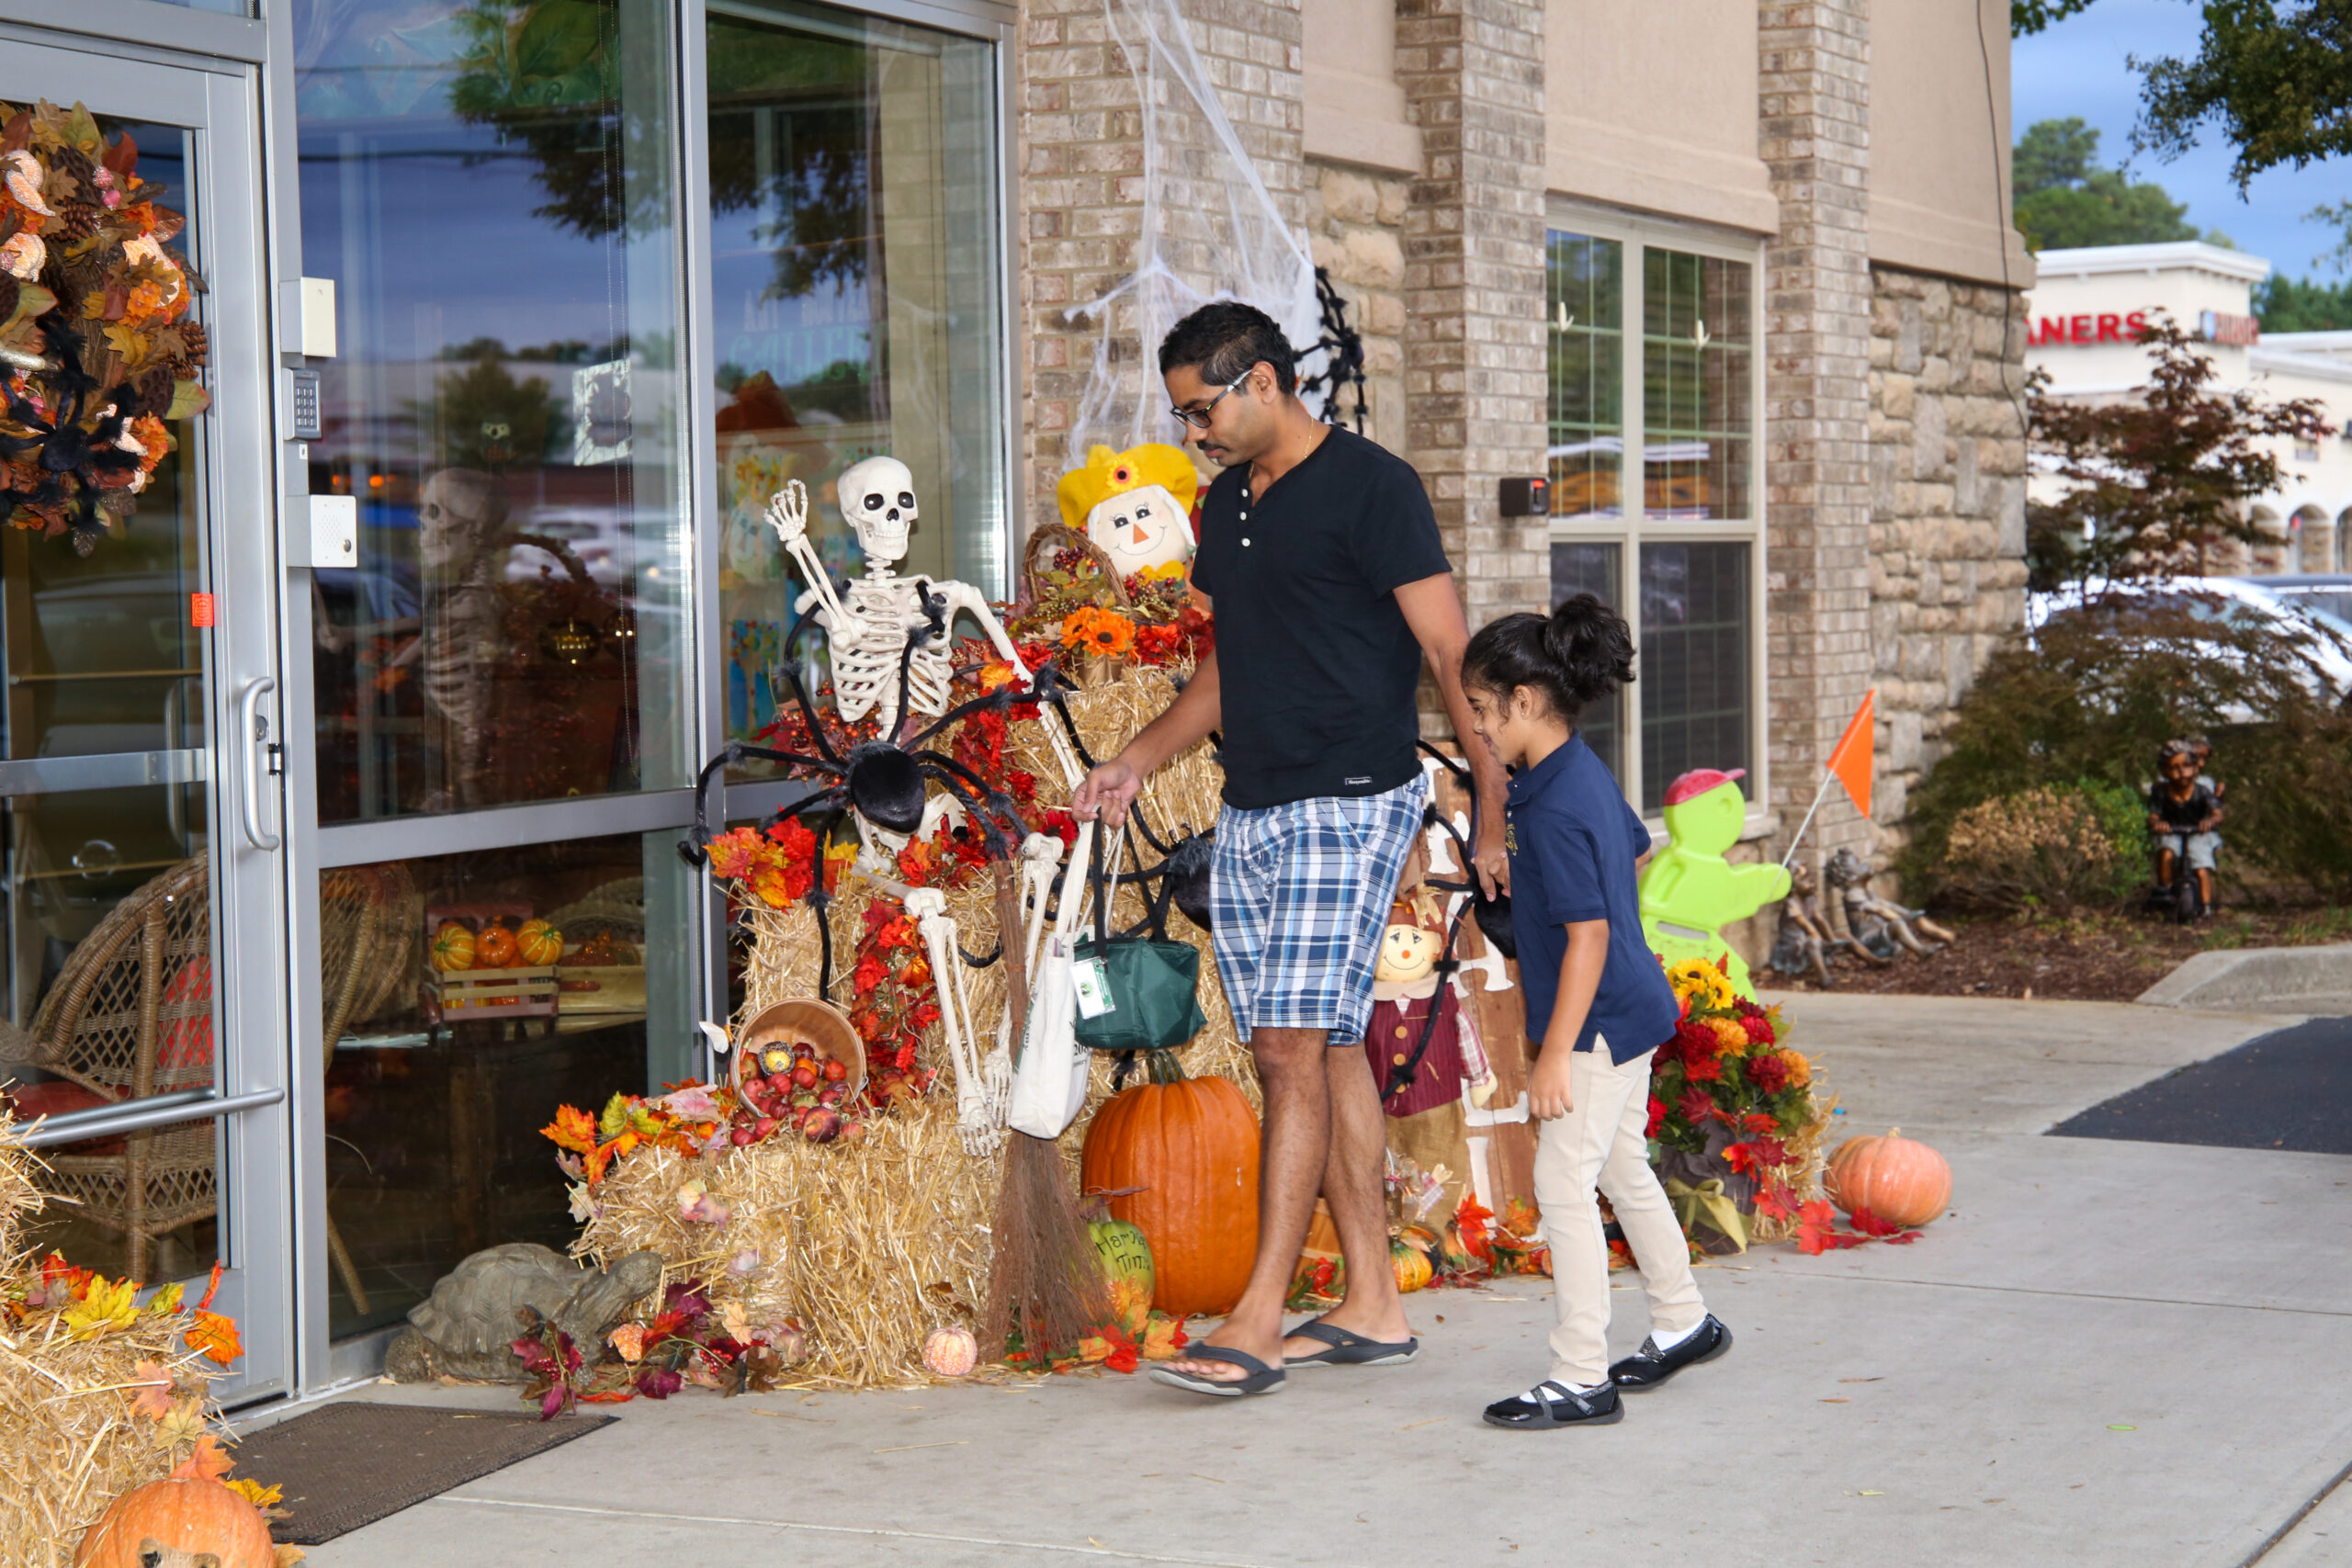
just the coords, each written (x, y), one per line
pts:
(1103, 632)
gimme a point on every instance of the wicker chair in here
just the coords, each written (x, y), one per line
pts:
(131, 1016)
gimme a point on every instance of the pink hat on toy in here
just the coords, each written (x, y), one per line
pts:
(1698, 781)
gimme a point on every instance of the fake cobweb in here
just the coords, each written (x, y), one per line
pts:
(1211, 231)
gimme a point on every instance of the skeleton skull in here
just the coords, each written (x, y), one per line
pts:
(877, 496)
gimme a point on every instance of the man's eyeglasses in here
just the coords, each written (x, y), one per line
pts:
(1199, 418)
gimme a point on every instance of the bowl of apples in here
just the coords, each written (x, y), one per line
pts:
(799, 1068)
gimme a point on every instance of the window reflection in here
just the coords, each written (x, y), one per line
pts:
(853, 238)
(1694, 662)
(1697, 386)
(489, 186)
(1588, 566)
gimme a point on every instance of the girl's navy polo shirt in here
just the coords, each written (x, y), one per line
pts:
(1573, 843)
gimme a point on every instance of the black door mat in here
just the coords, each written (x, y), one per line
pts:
(347, 1465)
(2286, 1090)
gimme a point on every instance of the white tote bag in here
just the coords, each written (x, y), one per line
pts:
(1049, 1080)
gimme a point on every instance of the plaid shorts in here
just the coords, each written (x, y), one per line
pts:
(1299, 897)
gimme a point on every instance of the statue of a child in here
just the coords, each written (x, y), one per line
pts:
(2184, 816)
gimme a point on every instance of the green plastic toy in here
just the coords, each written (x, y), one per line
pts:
(1688, 891)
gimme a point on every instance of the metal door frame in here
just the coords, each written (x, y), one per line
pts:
(217, 101)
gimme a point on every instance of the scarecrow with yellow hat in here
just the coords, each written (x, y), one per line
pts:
(1135, 505)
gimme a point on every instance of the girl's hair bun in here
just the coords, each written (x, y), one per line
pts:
(1580, 653)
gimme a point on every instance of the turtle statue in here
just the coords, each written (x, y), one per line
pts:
(465, 1329)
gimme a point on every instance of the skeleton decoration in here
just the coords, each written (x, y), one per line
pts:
(866, 631)
(983, 1084)
(462, 544)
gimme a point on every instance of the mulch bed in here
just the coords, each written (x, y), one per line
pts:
(2104, 958)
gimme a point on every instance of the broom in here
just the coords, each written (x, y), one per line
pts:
(1046, 1286)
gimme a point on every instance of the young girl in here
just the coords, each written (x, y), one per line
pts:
(1597, 1004)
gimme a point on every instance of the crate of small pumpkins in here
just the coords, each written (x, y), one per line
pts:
(797, 1071)
(490, 961)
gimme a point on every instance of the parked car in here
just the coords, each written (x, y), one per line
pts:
(2235, 601)
(2330, 590)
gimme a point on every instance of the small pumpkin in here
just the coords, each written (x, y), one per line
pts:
(1898, 1179)
(453, 947)
(951, 1352)
(539, 943)
(1189, 1148)
(184, 1514)
(1411, 1264)
(494, 948)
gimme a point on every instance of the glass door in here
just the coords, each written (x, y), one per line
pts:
(141, 916)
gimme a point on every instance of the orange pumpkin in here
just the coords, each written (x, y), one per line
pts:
(1897, 1178)
(539, 943)
(494, 948)
(1192, 1145)
(187, 1514)
(1411, 1264)
(453, 948)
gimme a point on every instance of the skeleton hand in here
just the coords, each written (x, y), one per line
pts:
(788, 512)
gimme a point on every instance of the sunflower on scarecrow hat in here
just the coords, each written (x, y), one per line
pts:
(1136, 505)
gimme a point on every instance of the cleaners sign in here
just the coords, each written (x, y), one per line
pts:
(2213, 326)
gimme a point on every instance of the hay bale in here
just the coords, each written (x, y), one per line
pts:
(870, 1245)
(69, 1440)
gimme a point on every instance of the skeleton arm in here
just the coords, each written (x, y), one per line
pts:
(965, 599)
(788, 516)
(979, 1109)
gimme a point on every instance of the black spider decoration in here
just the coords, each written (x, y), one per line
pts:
(1345, 345)
(882, 780)
(82, 471)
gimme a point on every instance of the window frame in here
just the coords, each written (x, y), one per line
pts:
(1633, 527)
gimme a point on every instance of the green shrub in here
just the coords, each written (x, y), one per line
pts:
(2048, 848)
(2086, 706)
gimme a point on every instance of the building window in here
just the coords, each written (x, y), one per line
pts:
(1675, 550)
(493, 189)
(856, 286)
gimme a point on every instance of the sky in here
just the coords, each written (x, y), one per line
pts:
(2077, 69)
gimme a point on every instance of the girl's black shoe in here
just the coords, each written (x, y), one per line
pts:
(1649, 1366)
(1549, 1404)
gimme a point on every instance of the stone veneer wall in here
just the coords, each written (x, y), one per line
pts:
(1947, 539)
(1355, 220)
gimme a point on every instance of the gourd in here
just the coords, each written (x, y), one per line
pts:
(1126, 1264)
(539, 943)
(1191, 1145)
(494, 948)
(1898, 1179)
(951, 1352)
(188, 1514)
(1411, 1264)
(453, 948)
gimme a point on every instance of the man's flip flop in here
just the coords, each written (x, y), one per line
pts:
(1259, 1378)
(1348, 1348)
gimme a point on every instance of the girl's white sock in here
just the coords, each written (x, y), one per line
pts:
(1665, 1341)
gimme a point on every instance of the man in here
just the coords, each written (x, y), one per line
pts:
(1321, 557)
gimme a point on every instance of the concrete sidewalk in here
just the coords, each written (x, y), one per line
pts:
(2109, 1353)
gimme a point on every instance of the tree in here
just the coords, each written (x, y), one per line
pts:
(2154, 484)
(2299, 305)
(2030, 17)
(2064, 198)
(2277, 74)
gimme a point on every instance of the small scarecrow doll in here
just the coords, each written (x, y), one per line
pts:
(1423, 1047)
(1136, 505)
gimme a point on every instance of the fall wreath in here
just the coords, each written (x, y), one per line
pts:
(96, 343)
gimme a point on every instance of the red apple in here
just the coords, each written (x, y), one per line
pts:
(822, 1125)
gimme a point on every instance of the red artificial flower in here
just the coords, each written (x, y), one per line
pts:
(1657, 1117)
(1703, 1069)
(1759, 1026)
(1696, 1107)
(1768, 1070)
(1817, 1230)
(1869, 1225)
(1775, 1199)
(1697, 1040)
(869, 975)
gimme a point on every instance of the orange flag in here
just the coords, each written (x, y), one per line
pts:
(1851, 759)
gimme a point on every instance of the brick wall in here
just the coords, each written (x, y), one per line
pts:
(1081, 156)
(1814, 103)
(1474, 343)
(1948, 509)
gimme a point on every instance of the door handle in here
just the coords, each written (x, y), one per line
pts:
(252, 732)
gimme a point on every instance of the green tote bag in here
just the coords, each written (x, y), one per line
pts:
(1135, 992)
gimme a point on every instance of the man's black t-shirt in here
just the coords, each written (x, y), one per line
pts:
(1316, 663)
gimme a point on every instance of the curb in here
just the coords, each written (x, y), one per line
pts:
(2312, 980)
